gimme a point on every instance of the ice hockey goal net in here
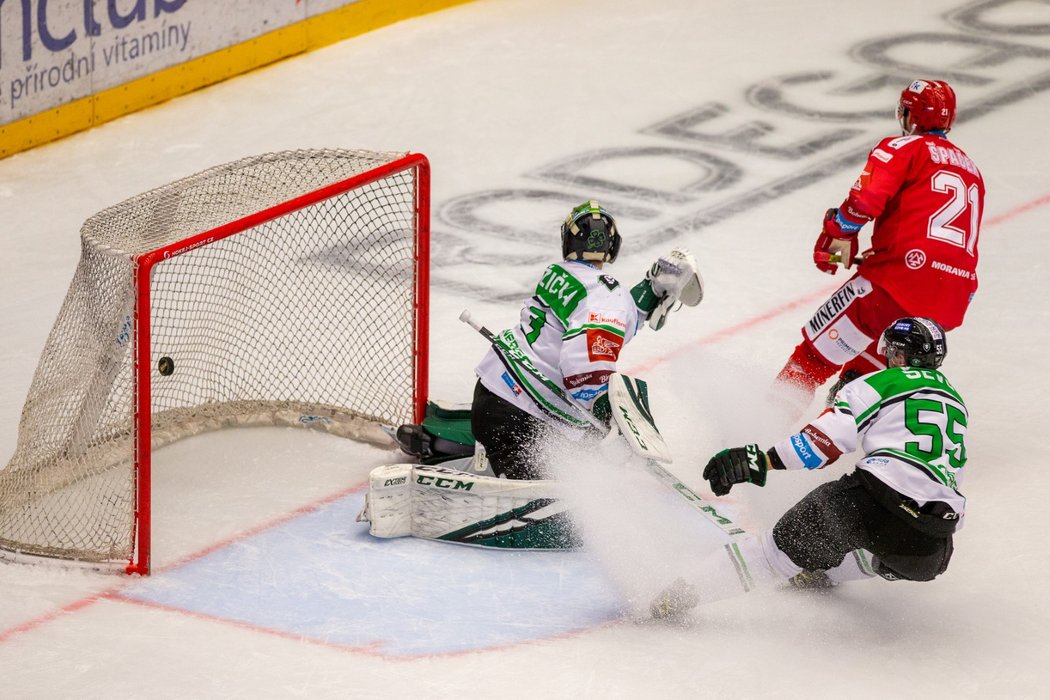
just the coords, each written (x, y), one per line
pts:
(284, 289)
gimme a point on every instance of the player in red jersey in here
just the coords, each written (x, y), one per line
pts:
(926, 197)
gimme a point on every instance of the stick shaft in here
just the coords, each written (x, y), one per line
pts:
(534, 371)
(698, 502)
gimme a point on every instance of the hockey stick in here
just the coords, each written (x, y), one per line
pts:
(620, 385)
(522, 360)
(630, 398)
(697, 501)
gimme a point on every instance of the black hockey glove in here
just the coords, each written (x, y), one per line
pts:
(736, 466)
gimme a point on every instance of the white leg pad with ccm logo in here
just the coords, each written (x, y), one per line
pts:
(438, 503)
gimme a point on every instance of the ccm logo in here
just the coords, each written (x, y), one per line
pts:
(443, 483)
(633, 427)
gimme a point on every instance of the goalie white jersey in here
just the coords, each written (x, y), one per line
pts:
(911, 425)
(572, 329)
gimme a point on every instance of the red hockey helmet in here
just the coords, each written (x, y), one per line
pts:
(928, 104)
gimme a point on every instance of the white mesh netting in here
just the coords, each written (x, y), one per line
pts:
(307, 319)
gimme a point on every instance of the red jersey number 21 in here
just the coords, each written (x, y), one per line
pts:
(957, 221)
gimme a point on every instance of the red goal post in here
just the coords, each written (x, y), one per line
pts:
(290, 288)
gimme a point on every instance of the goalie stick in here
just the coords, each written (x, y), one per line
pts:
(516, 356)
(629, 399)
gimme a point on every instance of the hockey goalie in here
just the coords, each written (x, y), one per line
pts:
(461, 499)
(478, 478)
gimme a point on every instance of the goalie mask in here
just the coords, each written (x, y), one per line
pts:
(920, 342)
(926, 105)
(589, 234)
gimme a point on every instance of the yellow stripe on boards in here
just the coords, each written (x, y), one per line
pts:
(149, 90)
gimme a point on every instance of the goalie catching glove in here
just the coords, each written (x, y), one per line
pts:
(737, 465)
(672, 280)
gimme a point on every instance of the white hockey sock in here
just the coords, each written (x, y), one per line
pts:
(746, 563)
(855, 567)
(759, 562)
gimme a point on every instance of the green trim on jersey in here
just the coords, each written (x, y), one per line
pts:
(644, 297)
(897, 381)
(941, 473)
(598, 326)
(561, 291)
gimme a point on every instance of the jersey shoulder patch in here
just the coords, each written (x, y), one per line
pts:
(881, 155)
(609, 281)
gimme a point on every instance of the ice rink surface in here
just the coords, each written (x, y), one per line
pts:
(724, 127)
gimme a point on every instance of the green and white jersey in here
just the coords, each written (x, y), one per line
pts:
(572, 330)
(910, 424)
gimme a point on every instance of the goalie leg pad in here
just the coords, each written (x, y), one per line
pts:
(388, 501)
(438, 503)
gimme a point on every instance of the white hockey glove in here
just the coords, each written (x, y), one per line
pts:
(675, 280)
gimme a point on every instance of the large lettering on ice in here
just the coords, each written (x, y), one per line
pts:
(793, 131)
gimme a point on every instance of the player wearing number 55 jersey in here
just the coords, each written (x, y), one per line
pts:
(893, 516)
(926, 197)
(902, 503)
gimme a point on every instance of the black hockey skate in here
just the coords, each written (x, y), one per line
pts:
(444, 435)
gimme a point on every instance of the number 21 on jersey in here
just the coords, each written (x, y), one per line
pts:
(958, 221)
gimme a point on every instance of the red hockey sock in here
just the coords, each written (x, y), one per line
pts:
(806, 369)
